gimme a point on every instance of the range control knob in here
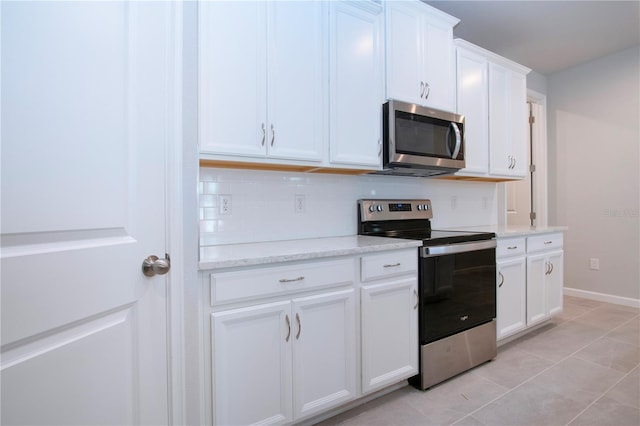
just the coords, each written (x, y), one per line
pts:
(420, 207)
(372, 208)
(426, 206)
(380, 208)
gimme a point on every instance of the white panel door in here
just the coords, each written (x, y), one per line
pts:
(404, 51)
(389, 333)
(536, 288)
(555, 283)
(297, 80)
(499, 126)
(439, 65)
(232, 53)
(85, 125)
(251, 350)
(356, 84)
(518, 124)
(324, 351)
(473, 103)
(511, 296)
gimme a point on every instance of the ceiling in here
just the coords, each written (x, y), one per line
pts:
(547, 36)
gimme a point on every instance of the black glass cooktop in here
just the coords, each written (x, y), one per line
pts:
(431, 237)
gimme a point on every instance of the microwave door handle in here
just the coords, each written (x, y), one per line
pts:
(456, 130)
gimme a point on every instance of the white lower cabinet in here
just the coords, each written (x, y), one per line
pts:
(389, 333)
(389, 318)
(293, 340)
(511, 296)
(324, 352)
(252, 370)
(545, 277)
(278, 362)
(530, 281)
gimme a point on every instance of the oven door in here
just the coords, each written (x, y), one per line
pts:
(457, 288)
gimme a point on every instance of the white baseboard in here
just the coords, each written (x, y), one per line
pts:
(602, 297)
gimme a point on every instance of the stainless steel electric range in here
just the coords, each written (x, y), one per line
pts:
(457, 287)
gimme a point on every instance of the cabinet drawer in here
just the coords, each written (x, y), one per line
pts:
(234, 286)
(544, 242)
(388, 264)
(510, 247)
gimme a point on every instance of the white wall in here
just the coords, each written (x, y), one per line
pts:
(594, 183)
(262, 207)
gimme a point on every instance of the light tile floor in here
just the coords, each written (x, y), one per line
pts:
(583, 368)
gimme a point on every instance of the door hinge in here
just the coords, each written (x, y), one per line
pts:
(532, 216)
(532, 168)
(532, 119)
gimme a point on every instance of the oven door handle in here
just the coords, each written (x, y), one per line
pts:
(456, 248)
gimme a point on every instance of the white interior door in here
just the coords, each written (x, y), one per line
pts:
(84, 131)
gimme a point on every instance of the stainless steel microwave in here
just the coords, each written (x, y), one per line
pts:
(421, 141)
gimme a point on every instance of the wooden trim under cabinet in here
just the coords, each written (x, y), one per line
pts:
(246, 165)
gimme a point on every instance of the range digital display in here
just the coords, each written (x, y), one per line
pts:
(399, 207)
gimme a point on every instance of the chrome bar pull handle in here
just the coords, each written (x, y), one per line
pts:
(421, 90)
(456, 131)
(512, 247)
(415, 293)
(551, 263)
(427, 90)
(286, 318)
(299, 326)
(264, 135)
(392, 265)
(291, 280)
(501, 279)
(273, 134)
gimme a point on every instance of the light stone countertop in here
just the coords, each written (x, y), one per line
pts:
(513, 230)
(238, 255)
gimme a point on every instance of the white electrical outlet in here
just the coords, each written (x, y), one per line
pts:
(299, 203)
(594, 264)
(224, 203)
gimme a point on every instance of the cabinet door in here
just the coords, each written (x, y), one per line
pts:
(389, 333)
(555, 283)
(536, 289)
(499, 130)
(252, 365)
(518, 124)
(356, 86)
(297, 80)
(232, 50)
(511, 296)
(404, 51)
(473, 103)
(324, 351)
(438, 64)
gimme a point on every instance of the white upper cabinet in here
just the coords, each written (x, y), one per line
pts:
(263, 79)
(473, 102)
(419, 54)
(492, 95)
(356, 90)
(508, 122)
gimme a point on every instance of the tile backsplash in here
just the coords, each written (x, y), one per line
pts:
(240, 206)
